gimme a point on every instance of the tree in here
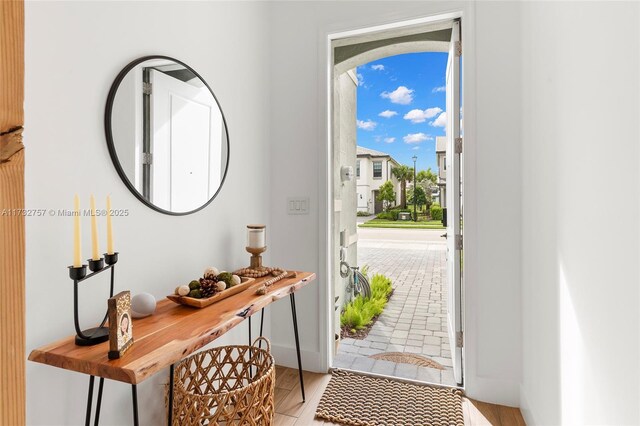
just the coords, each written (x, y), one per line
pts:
(386, 194)
(420, 194)
(427, 175)
(428, 181)
(404, 174)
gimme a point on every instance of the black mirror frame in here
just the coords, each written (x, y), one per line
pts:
(112, 149)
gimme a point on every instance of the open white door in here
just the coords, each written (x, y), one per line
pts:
(454, 232)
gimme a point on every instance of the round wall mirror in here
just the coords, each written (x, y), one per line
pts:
(167, 135)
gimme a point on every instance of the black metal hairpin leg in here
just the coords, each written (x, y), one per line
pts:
(92, 379)
(87, 421)
(260, 342)
(295, 332)
(170, 415)
(134, 397)
(261, 327)
(250, 366)
(99, 402)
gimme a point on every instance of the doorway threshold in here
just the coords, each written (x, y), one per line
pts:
(398, 379)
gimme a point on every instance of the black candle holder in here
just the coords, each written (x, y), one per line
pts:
(77, 272)
(111, 259)
(96, 265)
(95, 335)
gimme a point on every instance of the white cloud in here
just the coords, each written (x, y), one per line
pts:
(377, 67)
(366, 125)
(415, 148)
(441, 121)
(360, 79)
(439, 89)
(389, 140)
(416, 138)
(420, 116)
(432, 112)
(401, 95)
(387, 113)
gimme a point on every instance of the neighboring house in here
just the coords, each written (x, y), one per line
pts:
(373, 168)
(441, 153)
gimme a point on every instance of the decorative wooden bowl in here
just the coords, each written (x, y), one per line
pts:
(201, 303)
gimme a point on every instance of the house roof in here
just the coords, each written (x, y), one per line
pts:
(362, 152)
(441, 143)
(366, 152)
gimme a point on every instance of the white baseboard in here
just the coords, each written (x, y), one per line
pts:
(286, 357)
(525, 409)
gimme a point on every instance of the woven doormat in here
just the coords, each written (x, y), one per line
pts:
(357, 400)
(400, 357)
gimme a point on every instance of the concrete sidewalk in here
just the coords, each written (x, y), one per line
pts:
(414, 320)
(385, 235)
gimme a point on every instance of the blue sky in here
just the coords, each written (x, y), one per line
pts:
(401, 105)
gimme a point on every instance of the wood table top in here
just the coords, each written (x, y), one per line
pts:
(172, 333)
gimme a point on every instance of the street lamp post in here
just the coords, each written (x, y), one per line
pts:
(415, 214)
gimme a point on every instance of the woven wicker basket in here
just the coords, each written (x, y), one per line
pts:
(228, 385)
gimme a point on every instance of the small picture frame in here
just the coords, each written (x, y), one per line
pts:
(120, 325)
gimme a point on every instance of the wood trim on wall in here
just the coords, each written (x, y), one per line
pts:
(12, 236)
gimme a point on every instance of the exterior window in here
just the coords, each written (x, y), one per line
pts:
(377, 169)
(358, 168)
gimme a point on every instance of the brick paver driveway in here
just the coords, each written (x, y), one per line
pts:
(414, 320)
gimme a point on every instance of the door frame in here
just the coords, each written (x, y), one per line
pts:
(326, 201)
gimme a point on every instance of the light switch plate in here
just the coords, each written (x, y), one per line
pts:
(298, 205)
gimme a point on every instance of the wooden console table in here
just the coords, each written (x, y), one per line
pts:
(172, 333)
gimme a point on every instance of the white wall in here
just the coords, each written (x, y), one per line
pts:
(580, 255)
(73, 53)
(299, 134)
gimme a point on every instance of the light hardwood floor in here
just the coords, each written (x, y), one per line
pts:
(291, 411)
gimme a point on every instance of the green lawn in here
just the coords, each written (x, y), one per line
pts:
(382, 223)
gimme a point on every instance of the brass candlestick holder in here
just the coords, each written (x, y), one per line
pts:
(256, 257)
(256, 245)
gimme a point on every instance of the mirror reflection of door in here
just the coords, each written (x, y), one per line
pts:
(185, 134)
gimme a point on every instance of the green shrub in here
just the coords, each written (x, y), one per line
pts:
(360, 213)
(380, 287)
(353, 317)
(360, 311)
(436, 211)
(387, 216)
